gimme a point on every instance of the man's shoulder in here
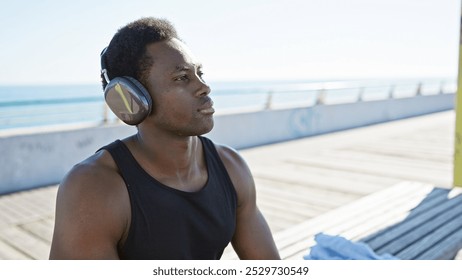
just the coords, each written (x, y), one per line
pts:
(93, 174)
(236, 166)
(99, 163)
(229, 155)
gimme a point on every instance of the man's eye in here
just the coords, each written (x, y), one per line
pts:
(200, 74)
(182, 78)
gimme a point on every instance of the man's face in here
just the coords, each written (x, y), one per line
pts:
(181, 104)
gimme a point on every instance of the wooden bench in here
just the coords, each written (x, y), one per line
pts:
(409, 220)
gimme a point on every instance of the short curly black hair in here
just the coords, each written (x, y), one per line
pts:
(126, 53)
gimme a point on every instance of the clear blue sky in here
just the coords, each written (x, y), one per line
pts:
(59, 41)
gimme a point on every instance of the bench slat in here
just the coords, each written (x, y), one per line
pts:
(430, 247)
(395, 239)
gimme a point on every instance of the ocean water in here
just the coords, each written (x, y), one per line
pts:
(32, 106)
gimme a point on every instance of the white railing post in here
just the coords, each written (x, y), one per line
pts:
(321, 97)
(269, 100)
(391, 92)
(105, 113)
(418, 91)
(360, 94)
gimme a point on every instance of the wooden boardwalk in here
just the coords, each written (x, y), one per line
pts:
(296, 180)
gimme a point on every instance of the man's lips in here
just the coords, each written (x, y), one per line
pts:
(207, 111)
(207, 108)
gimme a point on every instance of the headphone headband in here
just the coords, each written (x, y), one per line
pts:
(103, 65)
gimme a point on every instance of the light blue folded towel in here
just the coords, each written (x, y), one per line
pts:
(330, 247)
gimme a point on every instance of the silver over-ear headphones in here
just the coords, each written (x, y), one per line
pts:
(127, 98)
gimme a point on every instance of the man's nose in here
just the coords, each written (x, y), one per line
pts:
(204, 88)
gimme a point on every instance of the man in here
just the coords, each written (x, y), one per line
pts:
(165, 192)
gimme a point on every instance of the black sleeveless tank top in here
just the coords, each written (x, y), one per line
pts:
(169, 224)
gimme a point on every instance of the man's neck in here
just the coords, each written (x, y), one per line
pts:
(176, 160)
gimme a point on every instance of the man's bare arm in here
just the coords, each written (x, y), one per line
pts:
(253, 238)
(90, 214)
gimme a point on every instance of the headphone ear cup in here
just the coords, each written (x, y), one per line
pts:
(128, 99)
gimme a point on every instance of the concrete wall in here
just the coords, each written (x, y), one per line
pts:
(43, 158)
(264, 127)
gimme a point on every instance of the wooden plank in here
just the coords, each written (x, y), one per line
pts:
(371, 166)
(41, 229)
(421, 140)
(355, 178)
(282, 213)
(292, 176)
(7, 215)
(298, 202)
(436, 197)
(28, 244)
(431, 200)
(423, 144)
(391, 215)
(419, 228)
(42, 201)
(388, 149)
(10, 253)
(391, 238)
(443, 243)
(18, 211)
(305, 194)
(294, 209)
(410, 174)
(386, 159)
(446, 249)
(322, 178)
